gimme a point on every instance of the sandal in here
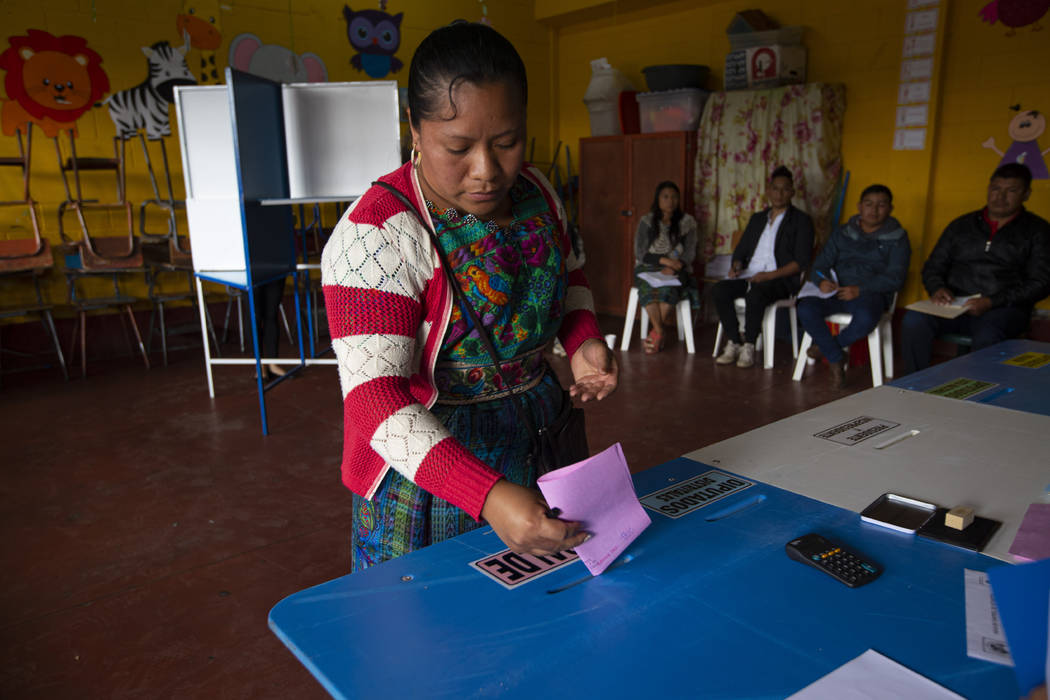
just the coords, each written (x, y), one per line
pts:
(654, 342)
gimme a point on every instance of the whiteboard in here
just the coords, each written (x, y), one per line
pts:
(209, 168)
(340, 136)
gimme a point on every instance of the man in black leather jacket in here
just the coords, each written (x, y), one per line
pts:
(767, 264)
(1000, 253)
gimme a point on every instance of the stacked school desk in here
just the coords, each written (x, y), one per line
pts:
(706, 604)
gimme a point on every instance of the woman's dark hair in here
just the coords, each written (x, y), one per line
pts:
(654, 228)
(460, 52)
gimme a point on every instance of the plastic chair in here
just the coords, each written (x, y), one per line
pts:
(880, 345)
(683, 313)
(769, 325)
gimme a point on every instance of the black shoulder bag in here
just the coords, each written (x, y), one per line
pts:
(559, 444)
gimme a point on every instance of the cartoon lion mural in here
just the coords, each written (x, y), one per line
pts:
(51, 81)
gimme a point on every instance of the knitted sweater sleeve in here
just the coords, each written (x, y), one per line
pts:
(375, 278)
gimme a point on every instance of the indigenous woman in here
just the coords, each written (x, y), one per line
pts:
(433, 441)
(664, 248)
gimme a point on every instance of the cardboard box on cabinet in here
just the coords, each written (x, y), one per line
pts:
(765, 66)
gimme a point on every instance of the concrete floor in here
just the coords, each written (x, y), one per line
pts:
(149, 529)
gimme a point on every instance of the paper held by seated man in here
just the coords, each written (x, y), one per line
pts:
(956, 308)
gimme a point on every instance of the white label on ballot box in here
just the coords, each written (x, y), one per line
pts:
(696, 492)
(510, 570)
(857, 430)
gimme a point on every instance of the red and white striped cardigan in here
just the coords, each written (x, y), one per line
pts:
(388, 305)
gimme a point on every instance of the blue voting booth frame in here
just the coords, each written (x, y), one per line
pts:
(705, 605)
(1018, 388)
(261, 166)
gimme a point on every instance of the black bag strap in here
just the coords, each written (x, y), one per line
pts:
(465, 304)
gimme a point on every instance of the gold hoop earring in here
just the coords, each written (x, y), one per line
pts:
(417, 156)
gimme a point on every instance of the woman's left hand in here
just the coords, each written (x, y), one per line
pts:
(594, 371)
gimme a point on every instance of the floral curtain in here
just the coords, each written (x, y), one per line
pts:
(744, 135)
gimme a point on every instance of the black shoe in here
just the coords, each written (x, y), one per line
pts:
(813, 352)
(838, 374)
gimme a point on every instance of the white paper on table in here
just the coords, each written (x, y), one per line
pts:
(872, 676)
(659, 279)
(985, 638)
(598, 493)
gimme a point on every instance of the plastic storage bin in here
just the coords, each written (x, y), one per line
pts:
(675, 76)
(671, 110)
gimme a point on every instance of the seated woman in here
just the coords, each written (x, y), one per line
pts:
(665, 244)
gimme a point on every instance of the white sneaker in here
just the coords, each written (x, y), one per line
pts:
(747, 355)
(729, 354)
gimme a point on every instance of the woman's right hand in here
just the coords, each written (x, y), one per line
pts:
(519, 517)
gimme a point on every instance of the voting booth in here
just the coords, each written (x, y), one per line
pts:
(253, 148)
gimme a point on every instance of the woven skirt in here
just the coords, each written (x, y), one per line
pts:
(402, 517)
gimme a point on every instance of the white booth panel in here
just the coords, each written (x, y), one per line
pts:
(206, 140)
(216, 234)
(340, 136)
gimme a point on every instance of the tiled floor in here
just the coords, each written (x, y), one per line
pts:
(147, 530)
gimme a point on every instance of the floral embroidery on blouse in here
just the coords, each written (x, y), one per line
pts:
(514, 276)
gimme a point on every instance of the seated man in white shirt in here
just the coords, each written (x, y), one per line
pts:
(773, 251)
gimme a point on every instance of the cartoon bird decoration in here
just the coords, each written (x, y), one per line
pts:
(376, 36)
(1015, 13)
(493, 288)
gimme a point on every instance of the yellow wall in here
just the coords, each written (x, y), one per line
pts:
(117, 29)
(979, 73)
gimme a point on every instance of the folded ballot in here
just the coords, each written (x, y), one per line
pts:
(598, 493)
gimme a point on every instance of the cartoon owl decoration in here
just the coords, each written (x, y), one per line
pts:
(376, 36)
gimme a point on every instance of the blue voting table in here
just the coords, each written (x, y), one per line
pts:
(705, 605)
(1019, 388)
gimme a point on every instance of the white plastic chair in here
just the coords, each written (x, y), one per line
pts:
(683, 312)
(769, 325)
(880, 345)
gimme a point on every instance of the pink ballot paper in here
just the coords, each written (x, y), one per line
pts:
(598, 492)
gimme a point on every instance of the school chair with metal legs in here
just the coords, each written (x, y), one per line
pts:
(683, 315)
(880, 345)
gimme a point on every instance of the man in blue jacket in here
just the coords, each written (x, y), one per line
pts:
(774, 249)
(864, 263)
(1001, 254)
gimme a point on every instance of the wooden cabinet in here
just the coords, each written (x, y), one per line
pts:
(618, 178)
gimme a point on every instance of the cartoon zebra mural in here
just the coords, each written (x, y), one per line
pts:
(145, 106)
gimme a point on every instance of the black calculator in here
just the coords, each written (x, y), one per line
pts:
(833, 559)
